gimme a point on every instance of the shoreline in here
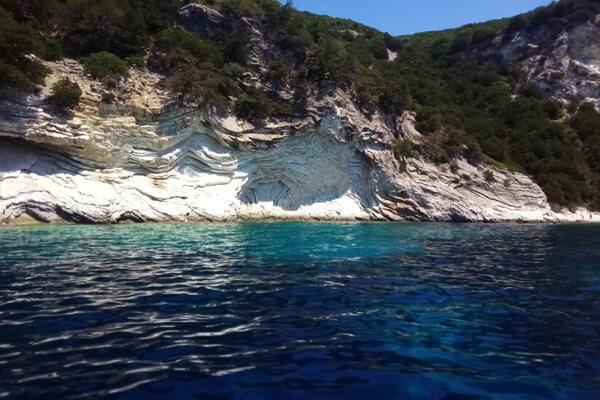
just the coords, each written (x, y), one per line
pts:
(580, 216)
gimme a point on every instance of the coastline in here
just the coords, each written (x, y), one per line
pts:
(578, 216)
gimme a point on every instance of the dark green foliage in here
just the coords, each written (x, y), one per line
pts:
(392, 92)
(449, 143)
(29, 10)
(516, 24)
(77, 28)
(65, 94)
(278, 71)
(488, 175)
(379, 49)
(156, 14)
(256, 104)
(17, 42)
(51, 50)
(101, 25)
(233, 70)
(586, 121)
(403, 150)
(330, 63)
(175, 47)
(235, 49)
(198, 75)
(392, 43)
(119, 26)
(135, 61)
(203, 87)
(247, 8)
(105, 65)
(466, 102)
(563, 14)
(429, 120)
(586, 124)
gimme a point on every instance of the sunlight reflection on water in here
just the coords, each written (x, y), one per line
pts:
(289, 310)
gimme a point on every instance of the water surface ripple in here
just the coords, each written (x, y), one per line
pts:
(300, 310)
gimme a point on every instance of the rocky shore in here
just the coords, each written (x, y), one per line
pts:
(149, 159)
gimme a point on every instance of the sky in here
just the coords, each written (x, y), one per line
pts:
(400, 17)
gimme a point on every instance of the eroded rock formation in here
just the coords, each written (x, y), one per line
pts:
(147, 159)
(566, 68)
(150, 158)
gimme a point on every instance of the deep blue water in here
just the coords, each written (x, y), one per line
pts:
(300, 310)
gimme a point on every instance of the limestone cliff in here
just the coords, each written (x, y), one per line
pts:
(567, 67)
(149, 157)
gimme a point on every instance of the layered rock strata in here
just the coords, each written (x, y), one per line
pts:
(149, 159)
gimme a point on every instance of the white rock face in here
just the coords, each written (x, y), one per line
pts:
(146, 160)
(205, 181)
(568, 68)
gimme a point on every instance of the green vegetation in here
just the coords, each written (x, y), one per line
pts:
(201, 86)
(488, 175)
(51, 29)
(256, 104)
(462, 100)
(105, 65)
(466, 106)
(51, 50)
(17, 42)
(65, 94)
(403, 150)
(135, 61)
(175, 47)
(108, 98)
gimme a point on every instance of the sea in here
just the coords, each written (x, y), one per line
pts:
(300, 310)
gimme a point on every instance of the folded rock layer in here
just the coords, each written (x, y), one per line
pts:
(148, 159)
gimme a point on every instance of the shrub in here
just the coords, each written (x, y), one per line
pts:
(394, 96)
(201, 86)
(245, 8)
(65, 94)
(330, 64)
(105, 65)
(255, 104)
(488, 175)
(156, 13)
(100, 25)
(553, 110)
(379, 49)
(235, 49)
(17, 42)
(428, 120)
(434, 148)
(108, 97)
(586, 121)
(531, 90)
(516, 24)
(233, 70)
(51, 51)
(135, 61)
(176, 47)
(278, 71)
(12, 76)
(404, 149)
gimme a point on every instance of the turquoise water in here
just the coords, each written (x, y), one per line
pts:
(300, 310)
